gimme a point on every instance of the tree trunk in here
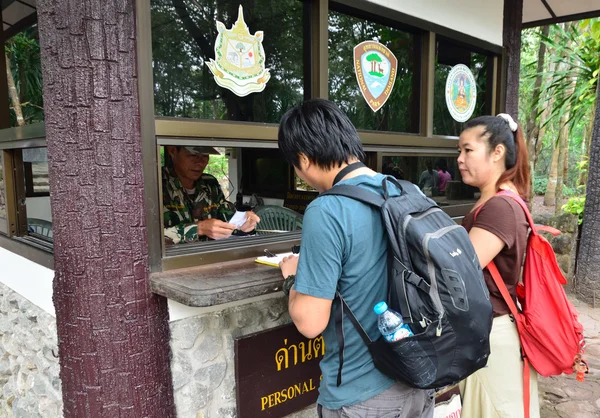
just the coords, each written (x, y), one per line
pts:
(585, 149)
(12, 92)
(113, 333)
(553, 194)
(533, 123)
(552, 176)
(588, 259)
(511, 40)
(563, 150)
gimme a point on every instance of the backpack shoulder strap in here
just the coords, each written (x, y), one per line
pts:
(339, 330)
(502, 288)
(513, 310)
(523, 205)
(356, 193)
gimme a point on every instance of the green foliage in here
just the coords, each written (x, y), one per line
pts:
(23, 51)
(183, 40)
(218, 166)
(345, 32)
(539, 185)
(575, 54)
(575, 206)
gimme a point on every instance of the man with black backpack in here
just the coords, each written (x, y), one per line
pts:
(344, 249)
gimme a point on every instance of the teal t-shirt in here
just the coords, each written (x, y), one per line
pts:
(344, 244)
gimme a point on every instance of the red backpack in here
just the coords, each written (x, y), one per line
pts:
(551, 336)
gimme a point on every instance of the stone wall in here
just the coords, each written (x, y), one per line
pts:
(29, 370)
(565, 244)
(203, 357)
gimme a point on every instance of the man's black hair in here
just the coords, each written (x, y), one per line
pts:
(320, 130)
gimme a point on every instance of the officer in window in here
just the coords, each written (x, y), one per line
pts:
(194, 205)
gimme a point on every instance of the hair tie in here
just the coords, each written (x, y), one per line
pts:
(511, 123)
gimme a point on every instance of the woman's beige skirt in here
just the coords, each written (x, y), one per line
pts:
(496, 391)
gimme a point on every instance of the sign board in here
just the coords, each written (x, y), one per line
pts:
(239, 63)
(375, 67)
(277, 372)
(298, 201)
(461, 93)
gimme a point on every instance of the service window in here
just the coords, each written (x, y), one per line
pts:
(400, 113)
(184, 33)
(448, 55)
(202, 183)
(437, 176)
(37, 193)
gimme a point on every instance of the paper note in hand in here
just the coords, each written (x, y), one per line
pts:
(272, 261)
(238, 219)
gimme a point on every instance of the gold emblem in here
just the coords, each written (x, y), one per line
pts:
(239, 63)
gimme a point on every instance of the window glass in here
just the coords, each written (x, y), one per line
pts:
(401, 111)
(183, 41)
(203, 183)
(437, 176)
(37, 192)
(3, 214)
(448, 55)
(25, 77)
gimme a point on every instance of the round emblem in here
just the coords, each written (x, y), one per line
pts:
(461, 93)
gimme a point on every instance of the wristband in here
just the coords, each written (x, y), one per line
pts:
(288, 283)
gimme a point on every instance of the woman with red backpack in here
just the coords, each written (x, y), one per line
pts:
(493, 157)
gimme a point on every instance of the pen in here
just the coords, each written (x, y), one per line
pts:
(296, 249)
(269, 253)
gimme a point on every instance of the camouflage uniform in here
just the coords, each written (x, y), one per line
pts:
(182, 211)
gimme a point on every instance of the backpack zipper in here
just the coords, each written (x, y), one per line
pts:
(434, 292)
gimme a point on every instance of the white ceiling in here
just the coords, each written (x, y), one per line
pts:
(535, 12)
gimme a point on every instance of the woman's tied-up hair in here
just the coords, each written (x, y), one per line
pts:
(503, 130)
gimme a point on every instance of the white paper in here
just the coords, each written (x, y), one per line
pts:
(272, 261)
(238, 219)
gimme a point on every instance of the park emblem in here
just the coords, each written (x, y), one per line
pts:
(375, 67)
(461, 93)
(239, 63)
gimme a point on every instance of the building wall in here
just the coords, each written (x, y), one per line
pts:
(478, 18)
(29, 382)
(203, 363)
(202, 344)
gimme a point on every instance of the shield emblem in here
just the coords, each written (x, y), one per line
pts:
(375, 67)
(239, 63)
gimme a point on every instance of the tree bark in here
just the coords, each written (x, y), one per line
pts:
(12, 92)
(533, 123)
(585, 149)
(552, 176)
(511, 40)
(588, 259)
(113, 333)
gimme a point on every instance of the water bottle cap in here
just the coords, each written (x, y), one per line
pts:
(380, 308)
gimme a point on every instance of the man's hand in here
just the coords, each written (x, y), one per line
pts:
(251, 220)
(215, 228)
(289, 265)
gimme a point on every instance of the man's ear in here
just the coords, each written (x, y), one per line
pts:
(304, 162)
(171, 150)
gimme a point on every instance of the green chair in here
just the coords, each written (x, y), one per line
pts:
(275, 219)
(39, 227)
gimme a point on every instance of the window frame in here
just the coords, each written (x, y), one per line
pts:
(158, 131)
(12, 143)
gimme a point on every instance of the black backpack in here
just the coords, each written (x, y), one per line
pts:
(435, 283)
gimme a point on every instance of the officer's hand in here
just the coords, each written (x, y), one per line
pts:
(289, 265)
(251, 220)
(215, 228)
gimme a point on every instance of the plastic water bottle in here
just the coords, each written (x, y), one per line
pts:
(390, 323)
